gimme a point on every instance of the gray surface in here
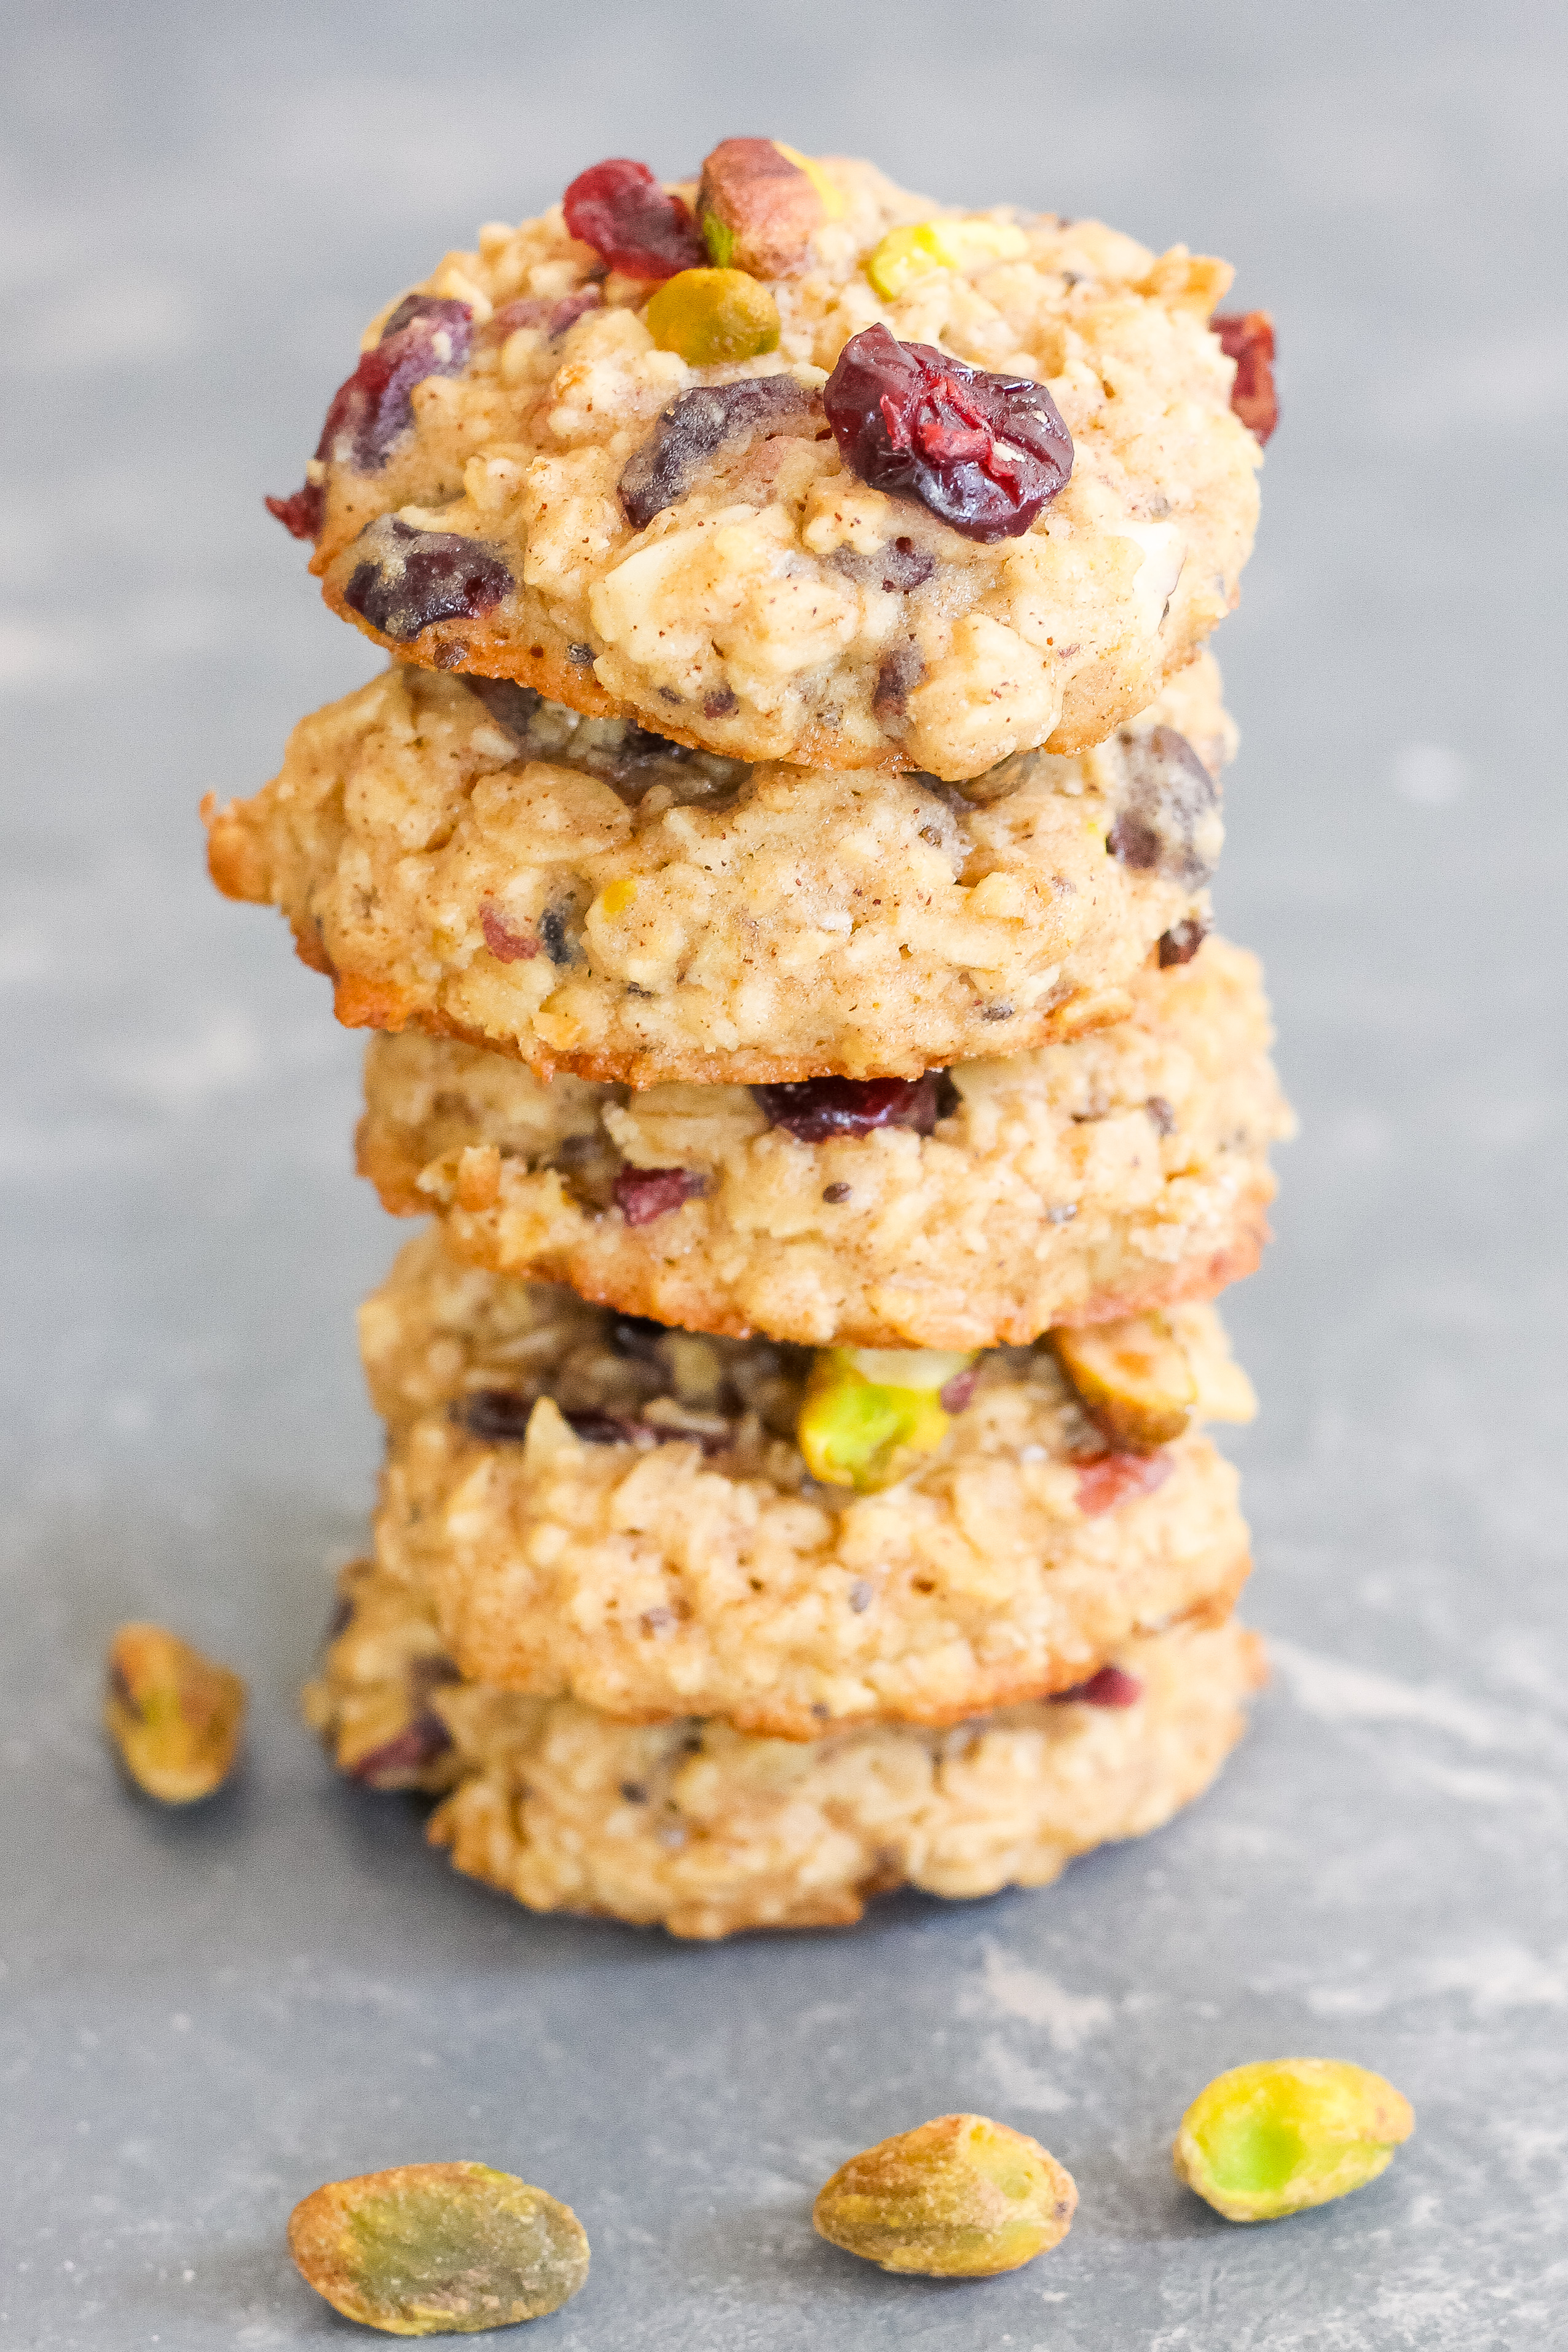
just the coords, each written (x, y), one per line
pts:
(205, 2016)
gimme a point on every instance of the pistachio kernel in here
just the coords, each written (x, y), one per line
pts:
(757, 206)
(870, 1415)
(710, 318)
(438, 2249)
(905, 255)
(1266, 2140)
(174, 1716)
(1133, 1380)
(958, 2198)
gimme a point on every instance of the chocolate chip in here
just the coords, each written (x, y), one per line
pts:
(835, 1194)
(1001, 1008)
(581, 657)
(720, 704)
(633, 1792)
(1161, 1113)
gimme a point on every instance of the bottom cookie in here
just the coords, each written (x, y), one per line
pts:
(705, 1829)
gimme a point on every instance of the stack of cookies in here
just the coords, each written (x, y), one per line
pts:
(774, 866)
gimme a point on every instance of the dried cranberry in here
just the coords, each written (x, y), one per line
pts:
(406, 578)
(408, 1751)
(1112, 1686)
(499, 1416)
(813, 1109)
(960, 1391)
(897, 677)
(513, 708)
(619, 208)
(1113, 1478)
(615, 1429)
(1169, 820)
(426, 335)
(897, 568)
(694, 427)
(302, 511)
(506, 942)
(642, 1194)
(640, 1338)
(554, 314)
(1248, 338)
(1182, 941)
(985, 453)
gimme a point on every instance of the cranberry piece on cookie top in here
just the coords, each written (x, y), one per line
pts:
(620, 209)
(427, 334)
(985, 453)
(1248, 338)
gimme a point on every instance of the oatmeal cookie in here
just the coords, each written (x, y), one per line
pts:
(1076, 1185)
(654, 497)
(466, 860)
(602, 1509)
(705, 1829)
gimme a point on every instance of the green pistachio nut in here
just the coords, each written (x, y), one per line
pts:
(175, 1717)
(711, 317)
(871, 1414)
(719, 239)
(1267, 2141)
(961, 2197)
(906, 255)
(438, 2249)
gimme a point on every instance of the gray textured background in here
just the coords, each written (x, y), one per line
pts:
(205, 2016)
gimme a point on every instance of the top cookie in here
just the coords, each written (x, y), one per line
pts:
(907, 487)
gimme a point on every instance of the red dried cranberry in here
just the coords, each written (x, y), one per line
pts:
(619, 208)
(301, 513)
(410, 1750)
(1112, 1686)
(694, 426)
(1113, 1478)
(813, 1109)
(1167, 822)
(406, 578)
(1182, 941)
(427, 334)
(506, 942)
(959, 1392)
(1248, 338)
(644, 1193)
(985, 453)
